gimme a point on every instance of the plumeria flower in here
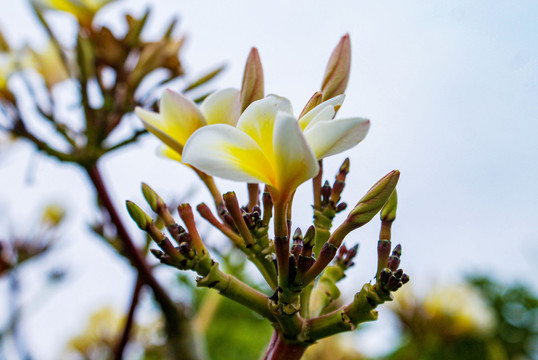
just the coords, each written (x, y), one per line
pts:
(179, 117)
(269, 145)
(328, 136)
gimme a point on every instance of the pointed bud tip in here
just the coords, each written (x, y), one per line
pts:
(252, 87)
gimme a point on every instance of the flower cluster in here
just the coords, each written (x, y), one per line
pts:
(247, 136)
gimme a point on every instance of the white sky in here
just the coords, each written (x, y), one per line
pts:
(451, 90)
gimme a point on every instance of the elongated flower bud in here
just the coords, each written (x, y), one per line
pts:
(252, 87)
(153, 199)
(337, 73)
(374, 200)
(141, 219)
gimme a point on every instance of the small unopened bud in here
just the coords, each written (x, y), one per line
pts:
(340, 207)
(373, 201)
(141, 219)
(398, 274)
(337, 73)
(325, 192)
(184, 248)
(342, 251)
(298, 235)
(353, 251)
(384, 276)
(314, 101)
(344, 168)
(388, 213)
(394, 259)
(256, 212)
(153, 199)
(393, 283)
(252, 87)
(309, 237)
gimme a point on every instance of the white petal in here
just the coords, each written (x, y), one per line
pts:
(294, 160)
(325, 114)
(222, 107)
(180, 116)
(153, 123)
(331, 137)
(336, 101)
(224, 151)
(258, 120)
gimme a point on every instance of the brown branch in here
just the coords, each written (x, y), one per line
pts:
(177, 324)
(129, 321)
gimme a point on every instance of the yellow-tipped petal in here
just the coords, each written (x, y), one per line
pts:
(293, 158)
(258, 120)
(222, 107)
(180, 116)
(333, 103)
(331, 137)
(154, 123)
(224, 151)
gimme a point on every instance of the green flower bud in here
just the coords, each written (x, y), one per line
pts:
(374, 200)
(153, 199)
(141, 219)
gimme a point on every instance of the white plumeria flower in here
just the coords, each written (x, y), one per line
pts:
(328, 136)
(179, 117)
(268, 145)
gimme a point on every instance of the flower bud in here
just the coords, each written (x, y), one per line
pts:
(388, 213)
(153, 199)
(309, 237)
(141, 219)
(373, 201)
(337, 72)
(252, 87)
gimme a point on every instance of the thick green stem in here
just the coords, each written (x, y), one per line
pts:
(347, 318)
(232, 288)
